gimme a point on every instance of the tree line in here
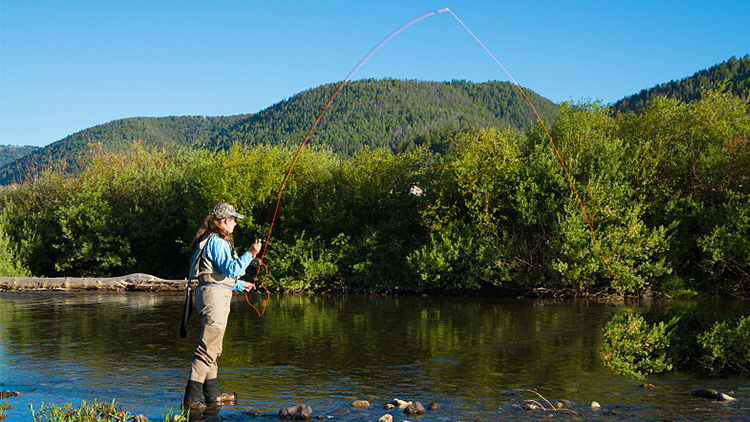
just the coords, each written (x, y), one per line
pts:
(461, 210)
(368, 114)
(733, 73)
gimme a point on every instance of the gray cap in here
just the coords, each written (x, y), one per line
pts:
(224, 210)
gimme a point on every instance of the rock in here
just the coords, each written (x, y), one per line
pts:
(389, 406)
(386, 418)
(361, 403)
(140, 418)
(415, 408)
(563, 403)
(296, 412)
(5, 394)
(434, 406)
(724, 397)
(706, 393)
(530, 407)
(595, 405)
(6, 407)
(647, 386)
(400, 403)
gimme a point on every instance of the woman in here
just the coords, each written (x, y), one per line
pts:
(217, 267)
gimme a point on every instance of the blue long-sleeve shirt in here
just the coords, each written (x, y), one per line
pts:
(219, 251)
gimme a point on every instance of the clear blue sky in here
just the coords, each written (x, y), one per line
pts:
(69, 65)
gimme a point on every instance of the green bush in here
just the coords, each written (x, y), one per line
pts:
(665, 190)
(10, 265)
(727, 344)
(633, 347)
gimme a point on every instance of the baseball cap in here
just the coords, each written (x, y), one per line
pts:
(224, 210)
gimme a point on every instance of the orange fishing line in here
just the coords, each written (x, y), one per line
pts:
(559, 157)
(341, 86)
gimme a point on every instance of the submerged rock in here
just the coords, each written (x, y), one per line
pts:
(563, 403)
(361, 403)
(530, 407)
(5, 394)
(724, 397)
(296, 412)
(386, 418)
(400, 403)
(415, 408)
(706, 393)
(434, 406)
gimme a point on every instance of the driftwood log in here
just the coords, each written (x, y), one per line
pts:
(130, 282)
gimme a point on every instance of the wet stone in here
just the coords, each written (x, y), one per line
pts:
(386, 418)
(706, 393)
(296, 412)
(415, 408)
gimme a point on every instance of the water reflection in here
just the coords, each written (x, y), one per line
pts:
(475, 356)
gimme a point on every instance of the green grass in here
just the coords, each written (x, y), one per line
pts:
(93, 412)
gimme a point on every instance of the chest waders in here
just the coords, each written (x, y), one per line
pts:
(213, 295)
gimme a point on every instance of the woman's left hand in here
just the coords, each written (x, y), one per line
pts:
(249, 287)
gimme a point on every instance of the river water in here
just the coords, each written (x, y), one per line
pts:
(481, 359)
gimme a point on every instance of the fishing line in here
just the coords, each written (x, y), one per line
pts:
(348, 78)
(559, 157)
(307, 138)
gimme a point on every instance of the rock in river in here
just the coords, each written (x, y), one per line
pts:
(296, 412)
(415, 408)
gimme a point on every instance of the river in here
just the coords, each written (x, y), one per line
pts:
(480, 359)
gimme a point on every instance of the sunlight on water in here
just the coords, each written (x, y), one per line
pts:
(479, 358)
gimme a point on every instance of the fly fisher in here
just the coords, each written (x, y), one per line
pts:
(217, 267)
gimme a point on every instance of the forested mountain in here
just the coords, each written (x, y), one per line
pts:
(734, 72)
(369, 114)
(72, 152)
(365, 115)
(11, 153)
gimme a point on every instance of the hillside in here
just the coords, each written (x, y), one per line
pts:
(734, 72)
(71, 151)
(11, 153)
(367, 114)
(370, 114)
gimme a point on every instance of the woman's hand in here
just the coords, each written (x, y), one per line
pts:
(255, 247)
(249, 287)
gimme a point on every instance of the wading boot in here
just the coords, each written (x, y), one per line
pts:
(214, 396)
(192, 399)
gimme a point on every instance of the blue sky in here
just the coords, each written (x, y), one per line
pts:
(69, 65)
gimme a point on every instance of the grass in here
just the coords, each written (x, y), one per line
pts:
(93, 412)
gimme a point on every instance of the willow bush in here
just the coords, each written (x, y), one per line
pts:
(681, 337)
(665, 191)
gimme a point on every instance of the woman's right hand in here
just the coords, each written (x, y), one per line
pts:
(255, 247)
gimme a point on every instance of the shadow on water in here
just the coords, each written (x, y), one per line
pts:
(477, 357)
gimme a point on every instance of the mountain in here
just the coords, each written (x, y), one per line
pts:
(735, 73)
(386, 113)
(72, 151)
(11, 153)
(366, 114)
